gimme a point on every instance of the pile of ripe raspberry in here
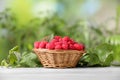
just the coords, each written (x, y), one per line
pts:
(59, 43)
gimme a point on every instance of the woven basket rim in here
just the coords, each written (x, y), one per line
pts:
(58, 58)
(58, 51)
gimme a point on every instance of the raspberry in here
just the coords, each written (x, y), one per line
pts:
(71, 41)
(43, 44)
(82, 46)
(66, 38)
(54, 40)
(36, 44)
(71, 46)
(57, 37)
(60, 40)
(58, 47)
(64, 42)
(58, 43)
(79, 46)
(50, 46)
(65, 46)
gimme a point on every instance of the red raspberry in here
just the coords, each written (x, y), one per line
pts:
(58, 43)
(77, 47)
(71, 46)
(64, 42)
(58, 47)
(65, 46)
(57, 37)
(82, 46)
(54, 40)
(43, 44)
(50, 46)
(60, 40)
(66, 38)
(71, 41)
(36, 44)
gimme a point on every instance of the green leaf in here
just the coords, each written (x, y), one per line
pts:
(51, 37)
(12, 59)
(108, 60)
(29, 60)
(105, 53)
(94, 60)
(16, 48)
(14, 56)
(4, 63)
(89, 59)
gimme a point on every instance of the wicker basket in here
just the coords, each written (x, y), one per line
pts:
(58, 58)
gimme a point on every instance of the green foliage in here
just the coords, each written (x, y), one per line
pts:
(17, 59)
(12, 58)
(24, 35)
(101, 55)
(114, 41)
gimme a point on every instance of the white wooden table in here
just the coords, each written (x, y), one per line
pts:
(104, 73)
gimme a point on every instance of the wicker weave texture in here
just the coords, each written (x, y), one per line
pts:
(58, 58)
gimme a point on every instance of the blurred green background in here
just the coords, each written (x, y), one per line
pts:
(92, 22)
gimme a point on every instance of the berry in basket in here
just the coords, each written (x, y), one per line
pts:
(59, 52)
(58, 43)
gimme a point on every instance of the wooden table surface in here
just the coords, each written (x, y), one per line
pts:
(104, 73)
